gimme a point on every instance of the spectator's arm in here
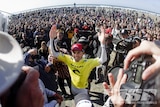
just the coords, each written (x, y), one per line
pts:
(26, 58)
(103, 56)
(50, 93)
(101, 37)
(53, 48)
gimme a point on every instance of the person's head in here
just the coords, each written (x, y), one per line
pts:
(108, 35)
(76, 30)
(60, 34)
(84, 41)
(32, 51)
(124, 33)
(77, 51)
(33, 57)
(109, 39)
(108, 31)
(43, 44)
(24, 36)
(50, 58)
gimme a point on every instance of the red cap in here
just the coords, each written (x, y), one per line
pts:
(77, 47)
(76, 30)
(108, 31)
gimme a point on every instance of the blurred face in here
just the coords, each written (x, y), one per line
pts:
(108, 40)
(60, 36)
(43, 46)
(33, 52)
(77, 55)
(124, 36)
(50, 58)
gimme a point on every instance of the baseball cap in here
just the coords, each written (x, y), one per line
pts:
(124, 32)
(76, 30)
(83, 40)
(108, 31)
(77, 47)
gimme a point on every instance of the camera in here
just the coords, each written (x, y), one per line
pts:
(123, 46)
(136, 90)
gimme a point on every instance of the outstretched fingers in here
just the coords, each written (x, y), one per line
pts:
(53, 32)
(107, 88)
(111, 80)
(150, 70)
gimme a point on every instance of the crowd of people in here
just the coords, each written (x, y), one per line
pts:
(56, 41)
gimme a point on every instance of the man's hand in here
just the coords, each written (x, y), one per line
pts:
(29, 94)
(58, 97)
(47, 68)
(114, 89)
(145, 48)
(53, 32)
(101, 35)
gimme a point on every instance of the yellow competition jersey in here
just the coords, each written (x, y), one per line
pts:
(79, 71)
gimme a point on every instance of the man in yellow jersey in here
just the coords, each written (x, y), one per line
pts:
(79, 67)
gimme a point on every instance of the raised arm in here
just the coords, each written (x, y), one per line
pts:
(52, 45)
(101, 38)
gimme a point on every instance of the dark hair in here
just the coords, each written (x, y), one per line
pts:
(124, 32)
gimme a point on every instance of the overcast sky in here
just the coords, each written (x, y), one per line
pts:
(13, 6)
